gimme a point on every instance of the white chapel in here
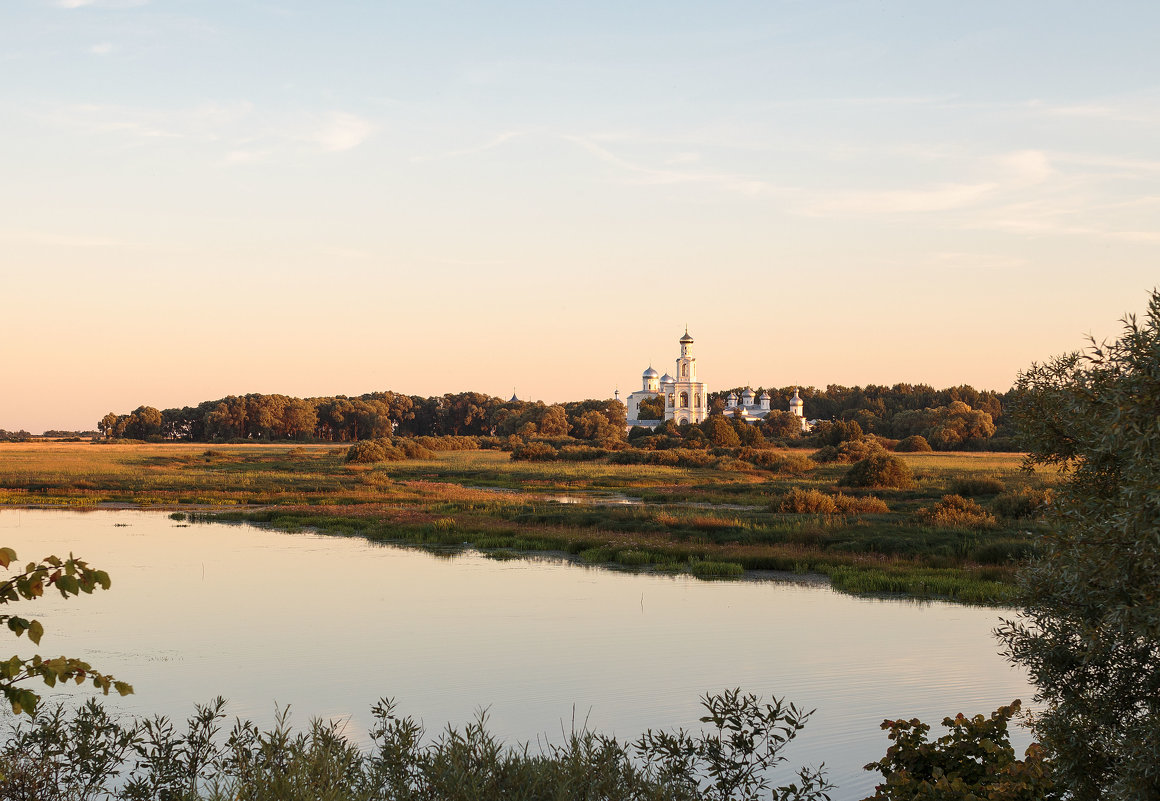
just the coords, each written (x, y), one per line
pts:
(686, 398)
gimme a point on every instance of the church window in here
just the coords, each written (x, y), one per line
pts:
(684, 400)
(697, 398)
(684, 371)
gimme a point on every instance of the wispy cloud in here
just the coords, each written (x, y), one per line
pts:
(900, 201)
(652, 175)
(490, 144)
(102, 48)
(243, 132)
(342, 131)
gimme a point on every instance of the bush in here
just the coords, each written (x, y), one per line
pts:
(864, 505)
(788, 464)
(974, 760)
(879, 470)
(913, 444)
(849, 451)
(370, 451)
(535, 452)
(955, 510)
(87, 753)
(971, 487)
(1023, 502)
(581, 453)
(386, 449)
(448, 443)
(799, 501)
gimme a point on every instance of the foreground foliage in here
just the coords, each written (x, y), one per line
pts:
(1089, 631)
(973, 761)
(88, 755)
(70, 576)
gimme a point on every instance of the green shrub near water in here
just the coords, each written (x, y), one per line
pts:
(87, 754)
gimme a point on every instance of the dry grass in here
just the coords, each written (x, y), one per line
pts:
(468, 496)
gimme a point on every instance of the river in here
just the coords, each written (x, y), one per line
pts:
(329, 624)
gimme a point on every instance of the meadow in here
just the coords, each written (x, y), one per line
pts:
(710, 522)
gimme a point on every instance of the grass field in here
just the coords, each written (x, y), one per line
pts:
(708, 522)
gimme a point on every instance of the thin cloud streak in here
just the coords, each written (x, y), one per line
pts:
(491, 144)
(652, 176)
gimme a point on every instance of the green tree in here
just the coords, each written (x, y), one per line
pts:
(554, 423)
(720, 433)
(70, 576)
(144, 422)
(1089, 626)
(651, 408)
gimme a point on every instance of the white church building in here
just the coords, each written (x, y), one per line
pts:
(687, 399)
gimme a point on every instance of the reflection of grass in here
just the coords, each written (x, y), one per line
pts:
(481, 498)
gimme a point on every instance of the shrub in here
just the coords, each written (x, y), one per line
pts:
(971, 487)
(864, 505)
(879, 470)
(387, 449)
(849, 451)
(783, 464)
(369, 451)
(955, 510)
(413, 450)
(913, 444)
(799, 501)
(535, 452)
(1023, 502)
(448, 443)
(581, 453)
(973, 760)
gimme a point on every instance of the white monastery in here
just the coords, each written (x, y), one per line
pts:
(687, 399)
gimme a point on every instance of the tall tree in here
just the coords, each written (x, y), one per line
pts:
(1089, 628)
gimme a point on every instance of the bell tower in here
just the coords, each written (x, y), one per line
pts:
(687, 363)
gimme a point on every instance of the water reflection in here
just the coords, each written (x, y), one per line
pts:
(329, 624)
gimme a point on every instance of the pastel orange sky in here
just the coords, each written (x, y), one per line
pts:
(218, 198)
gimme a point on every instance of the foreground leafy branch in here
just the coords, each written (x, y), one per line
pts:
(70, 576)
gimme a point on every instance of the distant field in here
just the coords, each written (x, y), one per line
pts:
(709, 522)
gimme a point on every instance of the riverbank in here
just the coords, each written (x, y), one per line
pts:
(709, 522)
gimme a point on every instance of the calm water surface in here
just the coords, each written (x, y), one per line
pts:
(330, 624)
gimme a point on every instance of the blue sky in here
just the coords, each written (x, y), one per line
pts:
(205, 198)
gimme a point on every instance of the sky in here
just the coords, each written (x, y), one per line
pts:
(218, 197)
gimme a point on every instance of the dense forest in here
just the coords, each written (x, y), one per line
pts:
(948, 418)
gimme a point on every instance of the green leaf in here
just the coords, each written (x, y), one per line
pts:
(35, 631)
(7, 557)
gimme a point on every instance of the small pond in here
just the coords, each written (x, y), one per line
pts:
(329, 624)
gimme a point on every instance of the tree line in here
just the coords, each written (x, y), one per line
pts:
(903, 410)
(949, 418)
(267, 418)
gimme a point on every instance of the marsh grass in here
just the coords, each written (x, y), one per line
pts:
(482, 499)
